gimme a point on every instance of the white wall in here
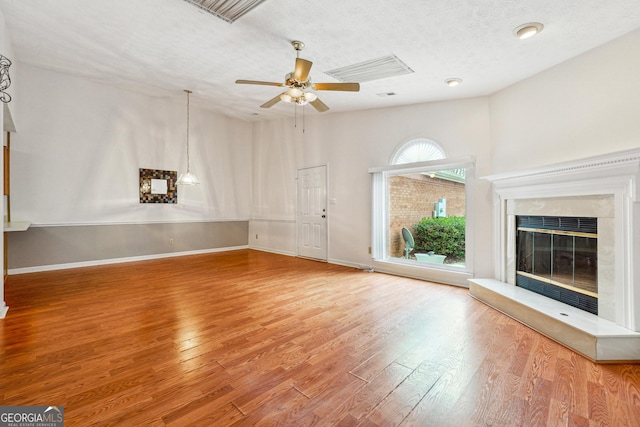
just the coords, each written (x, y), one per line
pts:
(3, 44)
(581, 108)
(6, 44)
(6, 49)
(79, 146)
(349, 144)
(276, 148)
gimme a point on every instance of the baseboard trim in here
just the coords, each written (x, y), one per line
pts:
(53, 267)
(273, 251)
(365, 267)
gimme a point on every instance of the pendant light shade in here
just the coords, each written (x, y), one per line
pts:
(187, 178)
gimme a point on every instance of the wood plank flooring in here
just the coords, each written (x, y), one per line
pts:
(252, 338)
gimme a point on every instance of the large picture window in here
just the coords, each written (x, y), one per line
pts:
(420, 208)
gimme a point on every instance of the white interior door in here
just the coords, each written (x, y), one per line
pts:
(312, 212)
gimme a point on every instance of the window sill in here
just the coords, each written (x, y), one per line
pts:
(440, 273)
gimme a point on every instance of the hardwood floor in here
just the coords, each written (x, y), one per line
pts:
(252, 338)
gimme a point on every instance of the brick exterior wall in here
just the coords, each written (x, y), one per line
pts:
(412, 197)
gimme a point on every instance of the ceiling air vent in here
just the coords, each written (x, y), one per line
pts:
(227, 10)
(374, 69)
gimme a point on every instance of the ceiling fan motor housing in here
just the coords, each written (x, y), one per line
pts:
(292, 82)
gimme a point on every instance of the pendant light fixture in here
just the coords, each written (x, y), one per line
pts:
(187, 178)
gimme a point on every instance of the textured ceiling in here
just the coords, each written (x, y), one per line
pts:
(160, 47)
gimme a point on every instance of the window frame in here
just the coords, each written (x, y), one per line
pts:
(380, 221)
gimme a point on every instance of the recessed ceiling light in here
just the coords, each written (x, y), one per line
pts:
(453, 82)
(525, 31)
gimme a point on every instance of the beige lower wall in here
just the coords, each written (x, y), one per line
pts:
(52, 245)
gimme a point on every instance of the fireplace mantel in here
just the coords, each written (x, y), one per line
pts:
(605, 174)
(604, 186)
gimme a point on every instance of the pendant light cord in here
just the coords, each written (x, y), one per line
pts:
(188, 92)
(188, 178)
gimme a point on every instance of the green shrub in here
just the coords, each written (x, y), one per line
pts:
(444, 236)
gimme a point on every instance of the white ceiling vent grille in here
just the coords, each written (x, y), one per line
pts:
(374, 69)
(228, 10)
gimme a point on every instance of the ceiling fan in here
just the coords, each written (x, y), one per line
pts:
(298, 83)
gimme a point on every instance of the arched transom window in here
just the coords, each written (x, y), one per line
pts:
(417, 150)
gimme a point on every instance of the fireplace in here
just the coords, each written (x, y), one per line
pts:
(557, 257)
(567, 253)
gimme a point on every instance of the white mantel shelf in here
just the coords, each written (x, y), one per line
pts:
(595, 338)
(596, 167)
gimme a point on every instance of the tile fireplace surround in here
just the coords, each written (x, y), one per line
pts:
(605, 187)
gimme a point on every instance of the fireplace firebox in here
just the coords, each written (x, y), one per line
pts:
(558, 257)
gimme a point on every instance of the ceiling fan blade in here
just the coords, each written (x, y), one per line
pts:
(257, 82)
(301, 73)
(270, 103)
(350, 87)
(319, 105)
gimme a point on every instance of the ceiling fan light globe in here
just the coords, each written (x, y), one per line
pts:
(294, 92)
(310, 96)
(285, 97)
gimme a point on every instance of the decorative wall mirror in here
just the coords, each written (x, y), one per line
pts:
(158, 186)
